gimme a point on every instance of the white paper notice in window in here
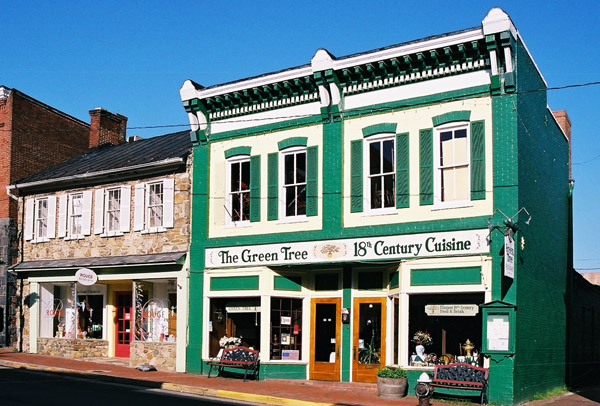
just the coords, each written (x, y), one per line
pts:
(498, 332)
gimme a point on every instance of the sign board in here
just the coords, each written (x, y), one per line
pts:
(86, 277)
(394, 247)
(498, 332)
(452, 310)
(286, 320)
(509, 254)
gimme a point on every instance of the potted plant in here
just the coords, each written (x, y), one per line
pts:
(391, 382)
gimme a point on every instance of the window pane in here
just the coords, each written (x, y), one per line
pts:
(245, 206)
(114, 209)
(461, 180)
(376, 192)
(290, 201)
(245, 175)
(235, 207)
(286, 329)
(235, 177)
(301, 168)
(462, 133)
(389, 191)
(446, 153)
(460, 151)
(369, 333)
(301, 200)
(388, 156)
(289, 169)
(374, 158)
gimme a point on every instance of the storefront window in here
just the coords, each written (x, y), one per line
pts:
(286, 329)
(72, 310)
(156, 311)
(234, 318)
(450, 320)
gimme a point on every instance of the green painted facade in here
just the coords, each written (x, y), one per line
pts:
(528, 168)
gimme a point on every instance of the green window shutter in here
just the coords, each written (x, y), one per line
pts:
(402, 180)
(356, 173)
(477, 160)
(273, 185)
(312, 173)
(426, 166)
(255, 188)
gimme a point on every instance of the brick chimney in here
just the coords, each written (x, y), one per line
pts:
(107, 127)
(564, 122)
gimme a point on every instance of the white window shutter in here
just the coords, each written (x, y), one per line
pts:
(62, 216)
(125, 215)
(51, 217)
(99, 211)
(29, 219)
(86, 215)
(168, 195)
(140, 206)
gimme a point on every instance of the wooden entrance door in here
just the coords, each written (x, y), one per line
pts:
(368, 340)
(123, 323)
(325, 342)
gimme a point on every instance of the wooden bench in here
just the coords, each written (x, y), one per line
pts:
(461, 376)
(237, 357)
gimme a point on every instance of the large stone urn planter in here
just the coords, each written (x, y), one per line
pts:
(391, 387)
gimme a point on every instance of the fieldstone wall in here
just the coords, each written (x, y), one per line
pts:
(160, 355)
(174, 239)
(70, 348)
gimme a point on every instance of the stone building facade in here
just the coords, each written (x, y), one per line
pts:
(104, 253)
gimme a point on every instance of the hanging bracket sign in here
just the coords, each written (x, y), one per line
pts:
(509, 254)
(86, 276)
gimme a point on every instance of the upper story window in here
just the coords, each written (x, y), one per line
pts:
(452, 161)
(74, 214)
(294, 182)
(112, 210)
(154, 206)
(381, 178)
(379, 165)
(239, 189)
(452, 177)
(40, 219)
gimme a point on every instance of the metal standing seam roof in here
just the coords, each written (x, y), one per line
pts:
(110, 157)
(100, 262)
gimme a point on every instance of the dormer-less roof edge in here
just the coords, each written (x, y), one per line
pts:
(167, 163)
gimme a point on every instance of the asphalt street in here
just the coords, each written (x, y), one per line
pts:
(19, 387)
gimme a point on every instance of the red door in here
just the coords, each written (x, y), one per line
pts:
(123, 324)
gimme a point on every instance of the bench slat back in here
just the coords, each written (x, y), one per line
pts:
(461, 372)
(239, 355)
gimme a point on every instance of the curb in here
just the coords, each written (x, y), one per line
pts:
(174, 387)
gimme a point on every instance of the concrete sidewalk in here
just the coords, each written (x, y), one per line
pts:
(269, 391)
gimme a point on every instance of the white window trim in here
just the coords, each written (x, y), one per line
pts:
(31, 207)
(438, 204)
(86, 214)
(102, 196)
(383, 211)
(229, 223)
(282, 217)
(141, 206)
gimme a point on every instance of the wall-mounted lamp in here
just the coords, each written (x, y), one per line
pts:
(219, 314)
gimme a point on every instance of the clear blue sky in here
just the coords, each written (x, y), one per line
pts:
(131, 57)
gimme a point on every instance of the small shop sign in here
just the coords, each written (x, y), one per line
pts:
(509, 255)
(86, 276)
(452, 310)
(462, 242)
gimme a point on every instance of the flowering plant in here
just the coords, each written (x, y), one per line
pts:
(423, 338)
(224, 341)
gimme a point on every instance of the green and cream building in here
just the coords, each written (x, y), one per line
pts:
(341, 206)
